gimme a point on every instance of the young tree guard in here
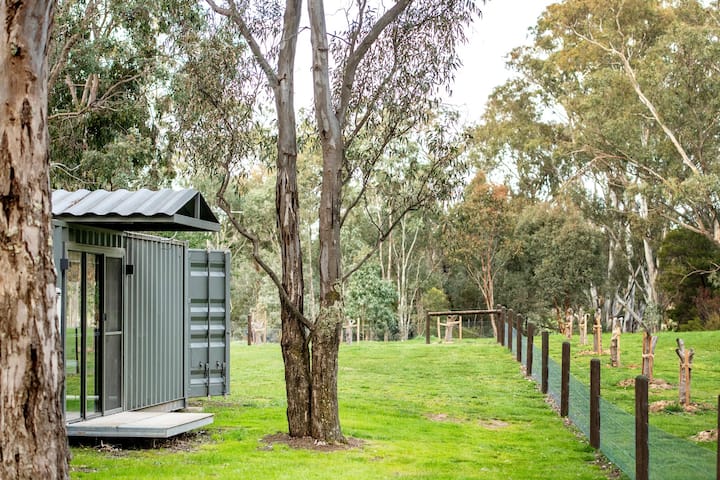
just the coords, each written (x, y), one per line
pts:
(648, 354)
(582, 326)
(597, 333)
(615, 343)
(686, 359)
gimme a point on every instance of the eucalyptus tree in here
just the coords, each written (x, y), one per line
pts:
(664, 55)
(404, 240)
(477, 237)
(377, 77)
(616, 107)
(33, 442)
(109, 64)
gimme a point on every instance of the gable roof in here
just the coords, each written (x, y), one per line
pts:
(142, 210)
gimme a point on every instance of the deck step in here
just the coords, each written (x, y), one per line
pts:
(139, 425)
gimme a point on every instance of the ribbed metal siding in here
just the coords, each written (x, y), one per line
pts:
(154, 321)
(209, 326)
(94, 237)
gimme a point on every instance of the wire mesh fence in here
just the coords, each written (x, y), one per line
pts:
(671, 457)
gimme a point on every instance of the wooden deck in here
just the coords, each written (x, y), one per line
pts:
(139, 425)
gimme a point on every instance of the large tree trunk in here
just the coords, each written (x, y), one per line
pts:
(325, 340)
(296, 354)
(34, 442)
(326, 335)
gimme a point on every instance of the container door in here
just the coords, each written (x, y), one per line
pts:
(112, 335)
(209, 322)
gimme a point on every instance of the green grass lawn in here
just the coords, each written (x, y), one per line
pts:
(460, 411)
(705, 377)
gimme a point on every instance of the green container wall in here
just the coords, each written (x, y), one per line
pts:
(174, 349)
(154, 321)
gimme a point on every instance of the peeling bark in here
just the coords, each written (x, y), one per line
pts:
(34, 442)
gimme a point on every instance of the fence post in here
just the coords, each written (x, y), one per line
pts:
(641, 428)
(509, 327)
(427, 329)
(595, 403)
(544, 372)
(529, 355)
(501, 326)
(565, 380)
(518, 338)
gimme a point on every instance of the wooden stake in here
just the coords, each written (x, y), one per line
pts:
(529, 356)
(545, 350)
(597, 333)
(642, 459)
(615, 344)
(565, 380)
(595, 403)
(686, 358)
(518, 339)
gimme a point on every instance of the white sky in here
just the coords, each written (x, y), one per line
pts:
(503, 26)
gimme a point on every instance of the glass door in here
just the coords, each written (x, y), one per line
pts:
(93, 335)
(112, 335)
(73, 337)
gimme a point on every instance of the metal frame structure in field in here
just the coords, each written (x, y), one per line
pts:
(145, 320)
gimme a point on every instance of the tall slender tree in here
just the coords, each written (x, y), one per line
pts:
(375, 82)
(33, 443)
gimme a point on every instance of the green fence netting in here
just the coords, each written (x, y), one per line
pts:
(671, 457)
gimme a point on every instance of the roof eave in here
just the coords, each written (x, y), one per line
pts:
(144, 223)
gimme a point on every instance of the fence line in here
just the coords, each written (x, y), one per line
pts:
(668, 457)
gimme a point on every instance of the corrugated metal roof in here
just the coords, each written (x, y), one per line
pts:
(140, 210)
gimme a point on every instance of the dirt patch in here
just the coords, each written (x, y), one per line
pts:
(442, 417)
(655, 384)
(308, 443)
(675, 407)
(698, 407)
(660, 406)
(493, 424)
(706, 436)
(592, 352)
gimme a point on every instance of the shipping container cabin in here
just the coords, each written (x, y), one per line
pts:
(145, 320)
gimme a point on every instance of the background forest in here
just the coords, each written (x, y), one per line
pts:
(591, 181)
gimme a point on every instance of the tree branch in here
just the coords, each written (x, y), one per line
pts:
(250, 236)
(356, 56)
(630, 73)
(235, 16)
